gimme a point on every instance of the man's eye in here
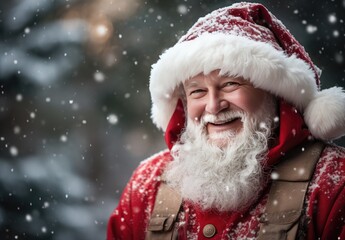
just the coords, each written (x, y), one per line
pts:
(196, 91)
(231, 84)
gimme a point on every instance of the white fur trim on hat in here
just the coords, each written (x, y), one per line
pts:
(263, 65)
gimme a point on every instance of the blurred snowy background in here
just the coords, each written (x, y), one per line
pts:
(75, 107)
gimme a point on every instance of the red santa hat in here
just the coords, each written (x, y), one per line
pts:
(246, 40)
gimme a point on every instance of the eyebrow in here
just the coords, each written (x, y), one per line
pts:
(191, 84)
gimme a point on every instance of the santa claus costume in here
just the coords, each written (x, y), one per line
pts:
(244, 40)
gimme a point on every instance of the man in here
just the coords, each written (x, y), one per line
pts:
(237, 98)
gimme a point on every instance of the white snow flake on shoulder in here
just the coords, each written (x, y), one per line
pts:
(327, 170)
(161, 153)
(146, 172)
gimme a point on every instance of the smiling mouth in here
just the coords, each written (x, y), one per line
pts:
(224, 122)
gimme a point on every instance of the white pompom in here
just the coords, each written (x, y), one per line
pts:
(325, 114)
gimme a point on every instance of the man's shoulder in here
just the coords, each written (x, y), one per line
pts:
(156, 161)
(330, 169)
(333, 152)
(332, 157)
(162, 156)
(153, 166)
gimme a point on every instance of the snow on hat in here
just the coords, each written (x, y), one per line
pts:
(246, 40)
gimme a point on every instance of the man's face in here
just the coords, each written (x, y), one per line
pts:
(213, 95)
(218, 158)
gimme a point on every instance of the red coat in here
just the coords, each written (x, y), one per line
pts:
(325, 205)
(325, 199)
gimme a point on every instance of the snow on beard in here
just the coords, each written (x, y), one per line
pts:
(227, 177)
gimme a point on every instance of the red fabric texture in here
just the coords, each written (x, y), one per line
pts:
(129, 219)
(175, 126)
(255, 22)
(292, 132)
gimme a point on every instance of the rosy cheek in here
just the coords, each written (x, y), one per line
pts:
(249, 101)
(194, 111)
(255, 101)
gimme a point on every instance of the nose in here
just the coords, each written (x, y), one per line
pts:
(216, 104)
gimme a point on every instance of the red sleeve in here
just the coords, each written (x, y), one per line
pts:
(335, 223)
(326, 210)
(120, 224)
(129, 219)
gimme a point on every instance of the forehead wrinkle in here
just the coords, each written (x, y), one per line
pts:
(194, 81)
(189, 84)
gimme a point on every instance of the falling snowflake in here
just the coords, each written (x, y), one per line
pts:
(293, 131)
(339, 58)
(63, 138)
(336, 33)
(19, 97)
(112, 119)
(262, 125)
(332, 18)
(274, 175)
(16, 130)
(13, 151)
(28, 217)
(311, 29)
(45, 205)
(182, 9)
(301, 171)
(99, 76)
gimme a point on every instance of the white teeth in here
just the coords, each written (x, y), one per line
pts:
(221, 118)
(224, 121)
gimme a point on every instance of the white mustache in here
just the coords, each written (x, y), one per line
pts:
(222, 117)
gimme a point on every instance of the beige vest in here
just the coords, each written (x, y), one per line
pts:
(278, 222)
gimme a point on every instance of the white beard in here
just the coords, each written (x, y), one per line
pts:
(229, 177)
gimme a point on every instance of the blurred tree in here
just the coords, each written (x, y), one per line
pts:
(43, 194)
